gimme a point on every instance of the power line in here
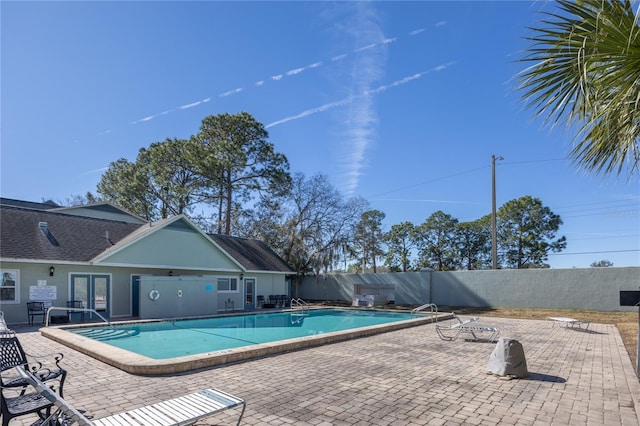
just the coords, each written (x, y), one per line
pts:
(593, 252)
(609, 213)
(460, 173)
(428, 181)
(598, 202)
(606, 237)
(534, 161)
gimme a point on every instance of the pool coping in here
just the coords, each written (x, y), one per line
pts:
(141, 365)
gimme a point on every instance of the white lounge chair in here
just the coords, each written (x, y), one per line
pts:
(3, 323)
(569, 322)
(184, 410)
(477, 332)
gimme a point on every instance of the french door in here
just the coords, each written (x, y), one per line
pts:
(249, 293)
(94, 290)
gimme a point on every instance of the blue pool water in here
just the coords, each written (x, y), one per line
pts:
(170, 339)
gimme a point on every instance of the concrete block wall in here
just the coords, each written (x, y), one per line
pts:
(577, 288)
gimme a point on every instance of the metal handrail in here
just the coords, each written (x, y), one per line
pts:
(57, 308)
(299, 304)
(431, 306)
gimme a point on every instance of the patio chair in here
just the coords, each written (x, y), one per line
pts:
(76, 304)
(260, 301)
(13, 355)
(183, 410)
(36, 309)
(472, 332)
(23, 404)
(284, 300)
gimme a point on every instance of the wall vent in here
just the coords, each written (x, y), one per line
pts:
(44, 227)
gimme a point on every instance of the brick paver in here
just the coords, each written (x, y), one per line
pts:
(406, 377)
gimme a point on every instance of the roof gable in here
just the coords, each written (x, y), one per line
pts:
(172, 243)
(103, 211)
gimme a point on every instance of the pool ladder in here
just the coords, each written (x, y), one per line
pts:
(299, 305)
(299, 310)
(433, 308)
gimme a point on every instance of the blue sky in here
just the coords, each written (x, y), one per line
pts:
(402, 103)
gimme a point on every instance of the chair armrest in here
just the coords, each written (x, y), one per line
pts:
(46, 374)
(57, 357)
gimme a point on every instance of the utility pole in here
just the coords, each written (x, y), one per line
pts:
(494, 236)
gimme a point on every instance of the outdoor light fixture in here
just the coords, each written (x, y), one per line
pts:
(241, 276)
(52, 270)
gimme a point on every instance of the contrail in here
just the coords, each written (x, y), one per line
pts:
(231, 92)
(292, 72)
(310, 112)
(348, 100)
(367, 69)
(362, 121)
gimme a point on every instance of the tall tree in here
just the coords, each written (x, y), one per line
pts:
(126, 185)
(437, 241)
(527, 233)
(161, 182)
(369, 238)
(586, 72)
(474, 243)
(308, 227)
(172, 179)
(238, 162)
(400, 244)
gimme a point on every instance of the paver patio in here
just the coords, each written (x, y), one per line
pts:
(405, 377)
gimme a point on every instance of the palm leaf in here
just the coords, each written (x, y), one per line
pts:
(585, 73)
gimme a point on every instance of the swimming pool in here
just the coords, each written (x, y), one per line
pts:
(166, 347)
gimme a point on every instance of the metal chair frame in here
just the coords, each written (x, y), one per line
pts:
(15, 399)
(35, 309)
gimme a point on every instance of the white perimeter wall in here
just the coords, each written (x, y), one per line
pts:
(584, 288)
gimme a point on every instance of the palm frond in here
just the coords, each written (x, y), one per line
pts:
(585, 73)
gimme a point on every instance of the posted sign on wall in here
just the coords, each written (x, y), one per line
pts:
(43, 292)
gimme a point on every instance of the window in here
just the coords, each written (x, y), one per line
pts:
(228, 285)
(10, 285)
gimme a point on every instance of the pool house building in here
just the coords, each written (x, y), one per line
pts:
(121, 266)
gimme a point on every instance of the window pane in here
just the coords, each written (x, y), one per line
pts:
(223, 284)
(9, 285)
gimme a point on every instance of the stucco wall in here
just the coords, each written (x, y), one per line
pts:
(170, 248)
(120, 303)
(410, 287)
(267, 284)
(177, 296)
(585, 288)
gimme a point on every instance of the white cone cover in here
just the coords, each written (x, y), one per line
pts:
(507, 359)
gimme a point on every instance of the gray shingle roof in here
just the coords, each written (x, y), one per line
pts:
(253, 255)
(47, 205)
(67, 237)
(38, 234)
